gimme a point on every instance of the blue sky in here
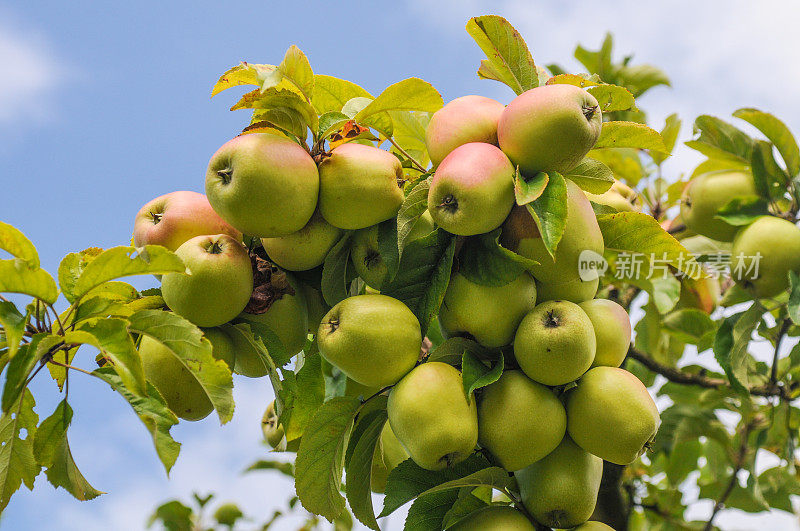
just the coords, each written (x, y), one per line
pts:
(105, 106)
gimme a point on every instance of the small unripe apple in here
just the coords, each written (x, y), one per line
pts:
(612, 330)
(593, 526)
(175, 383)
(373, 339)
(555, 343)
(263, 184)
(701, 294)
(472, 190)
(432, 417)
(494, 518)
(388, 454)
(489, 314)
(219, 282)
(171, 219)
(360, 186)
(273, 431)
(763, 253)
(558, 277)
(706, 194)
(549, 128)
(463, 120)
(304, 249)
(519, 420)
(612, 415)
(620, 197)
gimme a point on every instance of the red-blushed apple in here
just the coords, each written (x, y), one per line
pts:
(463, 120)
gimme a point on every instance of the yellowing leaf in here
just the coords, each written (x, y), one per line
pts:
(331, 93)
(509, 60)
(17, 244)
(17, 276)
(630, 135)
(412, 94)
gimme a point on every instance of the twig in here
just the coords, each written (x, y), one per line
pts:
(741, 455)
(406, 155)
(67, 366)
(773, 375)
(58, 319)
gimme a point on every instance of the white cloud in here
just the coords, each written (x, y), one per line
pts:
(30, 72)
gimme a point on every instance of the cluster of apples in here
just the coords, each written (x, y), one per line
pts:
(534, 421)
(763, 251)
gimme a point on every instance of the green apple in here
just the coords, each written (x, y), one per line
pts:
(219, 282)
(494, 518)
(620, 197)
(366, 257)
(593, 526)
(555, 343)
(515, 409)
(263, 184)
(777, 241)
(316, 306)
(489, 314)
(701, 294)
(373, 339)
(222, 344)
(612, 331)
(560, 490)
(360, 186)
(171, 219)
(611, 415)
(274, 433)
(463, 120)
(549, 128)
(388, 454)
(559, 278)
(472, 190)
(706, 194)
(432, 417)
(287, 317)
(177, 385)
(304, 249)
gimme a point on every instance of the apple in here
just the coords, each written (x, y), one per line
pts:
(593, 526)
(171, 219)
(489, 314)
(388, 454)
(222, 344)
(304, 249)
(359, 186)
(611, 415)
(620, 197)
(612, 330)
(706, 194)
(472, 190)
(463, 120)
(177, 385)
(558, 277)
(549, 128)
(494, 518)
(263, 184)
(519, 420)
(432, 417)
(555, 343)
(219, 282)
(777, 241)
(274, 433)
(373, 339)
(560, 490)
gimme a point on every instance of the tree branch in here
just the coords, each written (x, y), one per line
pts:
(686, 378)
(741, 455)
(406, 155)
(773, 375)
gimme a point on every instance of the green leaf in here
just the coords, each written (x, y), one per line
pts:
(152, 411)
(18, 245)
(242, 74)
(578, 80)
(794, 298)
(331, 93)
(296, 68)
(770, 180)
(591, 175)
(509, 60)
(334, 271)
(21, 365)
(277, 98)
(730, 345)
(466, 504)
(276, 352)
(13, 325)
(669, 134)
(310, 393)
(664, 291)
(476, 374)
(318, 467)
(428, 513)
(549, 212)
(52, 451)
(414, 205)
(529, 189)
(484, 261)
(287, 469)
(640, 78)
(612, 98)
(777, 132)
(689, 325)
(194, 351)
(111, 337)
(286, 119)
(408, 480)
(389, 246)
(412, 94)
(423, 276)
(743, 210)
(717, 139)
(173, 515)
(358, 468)
(17, 463)
(17, 276)
(634, 232)
(409, 133)
(119, 262)
(330, 122)
(630, 135)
